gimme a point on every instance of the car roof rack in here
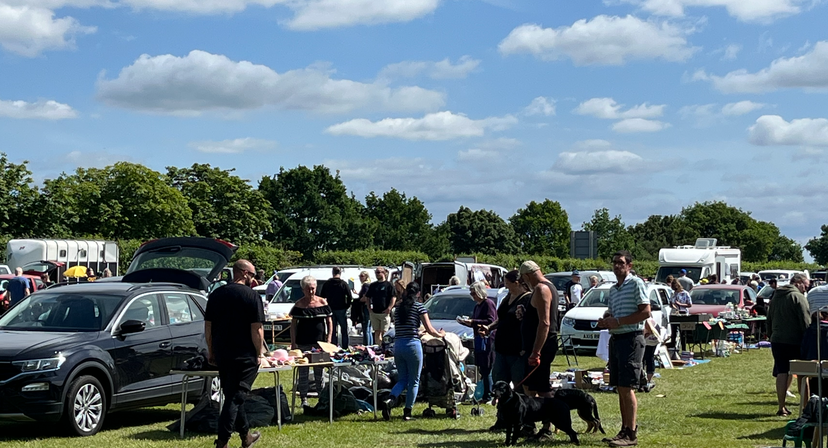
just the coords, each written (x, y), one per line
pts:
(138, 286)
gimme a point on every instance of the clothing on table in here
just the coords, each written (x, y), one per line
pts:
(408, 357)
(407, 321)
(624, 300)
(230, 310)
(507, 337)
(379, 295)
(311, 324)
(788, 316)
(680, 301)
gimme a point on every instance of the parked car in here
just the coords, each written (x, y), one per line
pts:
(4, 269)
(581, 322)
(713, 299)
(782, 276)
(34, 280)
(74, 353)
(559, 279)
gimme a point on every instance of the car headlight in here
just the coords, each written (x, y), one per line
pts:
(568, 322)
(40, 365)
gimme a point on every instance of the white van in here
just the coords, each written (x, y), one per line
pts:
(291, 291)
(782, 276)
(434, 276)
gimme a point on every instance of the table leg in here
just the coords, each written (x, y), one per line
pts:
(374, 386)
(184, 384)
(277, 386)
(331, 392)
(293, 393)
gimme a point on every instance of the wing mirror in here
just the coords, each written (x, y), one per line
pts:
(132, 326)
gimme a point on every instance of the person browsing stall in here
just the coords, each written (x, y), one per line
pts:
(408, 350)
(681, 299)
(362, 309)
(628, 309)
(311, 323)
(484, 314)
(338, 294)
(235, 343)
(381, 301)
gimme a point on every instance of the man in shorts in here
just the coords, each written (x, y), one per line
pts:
(628, 309)
(788, 318)
(381, 301)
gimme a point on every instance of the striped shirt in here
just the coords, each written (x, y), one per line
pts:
(624, 300)
(407, 325)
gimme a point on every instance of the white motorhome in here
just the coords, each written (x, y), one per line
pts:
(97, 255)
(700, 260)
(436, 275)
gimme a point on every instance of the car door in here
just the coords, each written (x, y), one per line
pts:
(749, 294)
(187, 330)
(143, 360)
(658, 311)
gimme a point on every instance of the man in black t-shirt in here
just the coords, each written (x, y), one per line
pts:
(339, 298)
(381, 301)
(235, 343)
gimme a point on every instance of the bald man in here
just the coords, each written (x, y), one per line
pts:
(235, 343)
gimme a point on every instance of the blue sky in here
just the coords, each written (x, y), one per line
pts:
(640, 106)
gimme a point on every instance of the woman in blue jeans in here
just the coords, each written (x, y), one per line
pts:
(408, 350)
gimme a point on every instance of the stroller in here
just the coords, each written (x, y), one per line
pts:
(442, 380)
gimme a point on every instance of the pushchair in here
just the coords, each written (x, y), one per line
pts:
(442, 380)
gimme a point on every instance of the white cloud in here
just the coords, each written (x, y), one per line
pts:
(42, 110)
(317, 14)
(30, 30)
(699, 111)
(809, 71)
(773, 130)
(741, 108)
(592, 144)
(731, 52)
(436, 126)
(234, 146)
(202, 82)
(588, 162)
(604, 40)
(540, 106)
(744, 10)
(608, 109)
(436, 70)
(631, 125)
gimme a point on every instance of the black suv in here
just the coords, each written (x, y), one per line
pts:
(76, 352)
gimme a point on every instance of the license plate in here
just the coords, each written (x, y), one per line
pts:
(590, 336)
(272, 327)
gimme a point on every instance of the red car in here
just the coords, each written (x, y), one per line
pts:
(713, 299)
(34, 280)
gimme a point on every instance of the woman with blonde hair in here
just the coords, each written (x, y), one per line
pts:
(484, 314)
(362, 308)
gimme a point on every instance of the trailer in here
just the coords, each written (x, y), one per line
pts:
(700, 261)
(60, 255)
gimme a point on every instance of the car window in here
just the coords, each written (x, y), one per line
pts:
(178, 308)
(655, 302)
(714, 296)
(751, 294)
(595, 298)
(664, 295)
(291, 291)
(202, 305)
(449, 306)
(61, 312)
(144, 309)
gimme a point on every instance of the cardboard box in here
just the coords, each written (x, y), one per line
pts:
(588, 379)
(314, 358)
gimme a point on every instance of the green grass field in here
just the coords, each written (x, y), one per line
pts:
(728, 402)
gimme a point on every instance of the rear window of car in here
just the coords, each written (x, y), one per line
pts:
(449, 306)
(714, 296)
(61, 312)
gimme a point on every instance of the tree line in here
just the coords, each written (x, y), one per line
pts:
(308, 210)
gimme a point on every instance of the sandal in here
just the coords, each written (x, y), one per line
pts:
(784, 412)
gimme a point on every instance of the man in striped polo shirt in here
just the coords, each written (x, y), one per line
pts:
(628, 309)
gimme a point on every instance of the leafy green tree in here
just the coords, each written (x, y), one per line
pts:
(654, 234)
(543, 228)
(313, 212)
(122, 201)
(611, 233)
(402, 223)
(818, 247)
(480, 231)
(223, 205)
(786, 249)
(18, 197)
(437, 243)
(714, 220)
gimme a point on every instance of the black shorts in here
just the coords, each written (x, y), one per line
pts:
(626, 356)
(782, 356)
(539, 380)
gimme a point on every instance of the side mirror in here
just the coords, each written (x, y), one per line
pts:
(132, 326)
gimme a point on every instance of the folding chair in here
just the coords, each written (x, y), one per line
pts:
(565, 345)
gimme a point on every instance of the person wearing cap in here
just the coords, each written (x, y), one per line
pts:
(685, 281)
(273, 286)
(628, 308)
(573, 290)
(539, 329)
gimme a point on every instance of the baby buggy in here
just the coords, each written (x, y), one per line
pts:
(442, 382)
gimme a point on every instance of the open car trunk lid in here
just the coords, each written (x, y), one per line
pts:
(195, 262)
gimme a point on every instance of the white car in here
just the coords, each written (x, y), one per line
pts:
(580, 323)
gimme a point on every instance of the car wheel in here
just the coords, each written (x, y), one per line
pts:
(85, 406)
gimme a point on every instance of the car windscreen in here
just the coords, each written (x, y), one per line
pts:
(720, 297)
(197, 260)
(559, 281)
(766, 292)
(449, 306)
(692, 272)
(61, 312)
(291, 291)
(595, 298)
(778, 275)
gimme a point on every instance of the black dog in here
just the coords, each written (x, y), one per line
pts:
(586, 406)
(515, 410)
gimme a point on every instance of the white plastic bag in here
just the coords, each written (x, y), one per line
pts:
(603, 345)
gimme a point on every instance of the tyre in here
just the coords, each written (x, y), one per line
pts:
(85, 407)
(428, 413)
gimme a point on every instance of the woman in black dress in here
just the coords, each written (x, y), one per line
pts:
(311, 322)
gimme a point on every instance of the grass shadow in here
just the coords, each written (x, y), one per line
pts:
(449, 431)
(25, 431)
(462, 444)
(163, 435)
(729, 416)
(775, 433)
(140, 417)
